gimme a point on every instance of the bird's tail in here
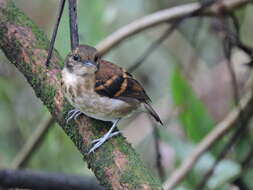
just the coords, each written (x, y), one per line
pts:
(152, 112)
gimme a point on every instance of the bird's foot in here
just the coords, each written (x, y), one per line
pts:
(108, 135)
(73, 114)
(100, 141)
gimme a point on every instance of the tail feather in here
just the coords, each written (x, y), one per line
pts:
(152, 112)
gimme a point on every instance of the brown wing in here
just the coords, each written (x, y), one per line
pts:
(114, 82)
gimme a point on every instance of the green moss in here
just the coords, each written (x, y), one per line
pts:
(49, 93)
(71, 129)
(128, 176)
(66, 108)
(2, 29)
(58, 76)
(72, 132)
(15, 16)
(136, 178)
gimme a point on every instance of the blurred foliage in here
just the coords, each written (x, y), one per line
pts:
(192, 113)
(58, 145)
(226, 170)
(198, 86)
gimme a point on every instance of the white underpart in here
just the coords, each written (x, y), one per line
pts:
(68, 77)
(94, 105)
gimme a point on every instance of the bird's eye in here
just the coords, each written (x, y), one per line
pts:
(76, 57)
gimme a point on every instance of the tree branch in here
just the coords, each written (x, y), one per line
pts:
(163, 16)
(242, 123)
(115, 164)
(219, 131)
(44, 180)
(154, 46)
(159, 166)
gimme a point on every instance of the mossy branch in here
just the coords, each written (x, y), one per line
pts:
(115, 164)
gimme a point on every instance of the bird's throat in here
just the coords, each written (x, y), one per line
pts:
(83, 83)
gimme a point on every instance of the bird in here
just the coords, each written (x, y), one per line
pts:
(101, 90)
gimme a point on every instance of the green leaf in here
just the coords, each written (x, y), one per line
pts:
(192, 113)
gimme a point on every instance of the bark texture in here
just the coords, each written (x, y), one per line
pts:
(115, 164)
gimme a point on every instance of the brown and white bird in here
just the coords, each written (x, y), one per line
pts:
(101, 90)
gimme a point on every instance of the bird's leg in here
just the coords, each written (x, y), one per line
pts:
(107, 136)
(73, 114)
(110, 136)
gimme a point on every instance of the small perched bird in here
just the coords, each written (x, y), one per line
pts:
(101, 90)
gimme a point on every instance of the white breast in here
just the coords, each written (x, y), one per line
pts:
(69, 78)
(94, 105)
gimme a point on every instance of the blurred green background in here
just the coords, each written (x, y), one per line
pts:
(186, 78)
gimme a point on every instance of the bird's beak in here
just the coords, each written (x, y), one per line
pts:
(89, 64)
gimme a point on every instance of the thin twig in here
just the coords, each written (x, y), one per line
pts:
(141, 60)
(235, 38)
(51, 46)
(234, 82)
(32, 144)
(164, 16)
(193, 63)
(248, 159)
(74, 37)
(153, 46)
(45, 180)
(240, 184)
(242, 125)
(236, 135)
(245, 164)
(219, 131)
(167, 33)
(185, 167)
(158, 154)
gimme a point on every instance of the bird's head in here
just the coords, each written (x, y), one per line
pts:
(83, 60)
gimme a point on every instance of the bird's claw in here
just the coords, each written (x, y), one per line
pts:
(110, 136)
(73, 114)
(100, 141)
